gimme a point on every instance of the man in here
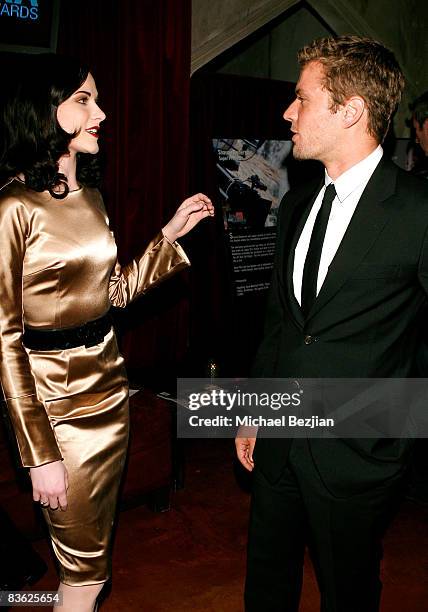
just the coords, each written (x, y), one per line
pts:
(418, 489)
(420, 124)
(350, 280)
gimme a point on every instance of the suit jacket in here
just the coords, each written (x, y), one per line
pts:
(364, 323)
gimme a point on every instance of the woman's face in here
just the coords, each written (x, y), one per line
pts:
(81, 113)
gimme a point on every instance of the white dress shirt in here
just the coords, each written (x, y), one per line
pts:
(349, 188)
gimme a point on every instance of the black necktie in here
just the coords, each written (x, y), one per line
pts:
(313, 257)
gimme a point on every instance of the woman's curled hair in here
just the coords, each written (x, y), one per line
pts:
(31, 139)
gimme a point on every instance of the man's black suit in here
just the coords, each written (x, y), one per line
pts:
(363, 324)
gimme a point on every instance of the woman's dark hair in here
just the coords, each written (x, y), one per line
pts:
(31, 139)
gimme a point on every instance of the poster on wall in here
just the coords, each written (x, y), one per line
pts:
(252, 178)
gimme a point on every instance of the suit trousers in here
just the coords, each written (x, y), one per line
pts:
(343, 535)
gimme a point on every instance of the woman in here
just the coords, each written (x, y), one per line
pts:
(61, 372)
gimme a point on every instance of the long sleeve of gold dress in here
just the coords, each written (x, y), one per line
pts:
(59, 269)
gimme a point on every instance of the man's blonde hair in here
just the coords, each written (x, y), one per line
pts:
(354, 65)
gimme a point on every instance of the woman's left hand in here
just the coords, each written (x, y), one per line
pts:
(188, 214)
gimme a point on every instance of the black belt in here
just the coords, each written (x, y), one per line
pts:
(88, 334)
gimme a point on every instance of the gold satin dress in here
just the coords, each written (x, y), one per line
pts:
(58, 269)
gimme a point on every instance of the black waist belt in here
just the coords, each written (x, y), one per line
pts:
(88, 334)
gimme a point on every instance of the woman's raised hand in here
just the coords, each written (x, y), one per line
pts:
(188, 214)
(50, 484)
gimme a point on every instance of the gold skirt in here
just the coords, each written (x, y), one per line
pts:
(85, 393)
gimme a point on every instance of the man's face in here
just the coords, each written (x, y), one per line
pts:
(422, 134)
(316, 129)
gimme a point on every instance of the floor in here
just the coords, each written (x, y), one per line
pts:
(191, 559)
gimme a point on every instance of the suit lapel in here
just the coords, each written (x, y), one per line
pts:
(294, 225)
(369, 219)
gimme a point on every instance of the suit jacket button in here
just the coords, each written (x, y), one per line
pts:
(308, 339)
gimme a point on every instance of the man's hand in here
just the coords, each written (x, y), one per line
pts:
(50, 484)
(188, 214)
(245, 442)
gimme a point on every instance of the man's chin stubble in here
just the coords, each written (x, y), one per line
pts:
(299, 155)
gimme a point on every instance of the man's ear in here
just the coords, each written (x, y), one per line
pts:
(353, 110)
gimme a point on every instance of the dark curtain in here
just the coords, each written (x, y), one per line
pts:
(223, 326)
(139, 54)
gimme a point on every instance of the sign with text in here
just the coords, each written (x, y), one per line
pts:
(252, 178)
(252, 260)
(28, 25)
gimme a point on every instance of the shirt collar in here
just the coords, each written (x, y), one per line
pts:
(355, 176)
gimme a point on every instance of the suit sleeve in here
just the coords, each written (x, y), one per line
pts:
(423, 263)
(34, 434)
(159, 261)
(266, 356)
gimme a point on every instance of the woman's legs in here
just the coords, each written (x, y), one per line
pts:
(78, 598)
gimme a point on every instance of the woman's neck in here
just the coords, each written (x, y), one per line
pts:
(67, 165)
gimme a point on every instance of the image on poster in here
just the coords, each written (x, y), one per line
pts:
(252, 178)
